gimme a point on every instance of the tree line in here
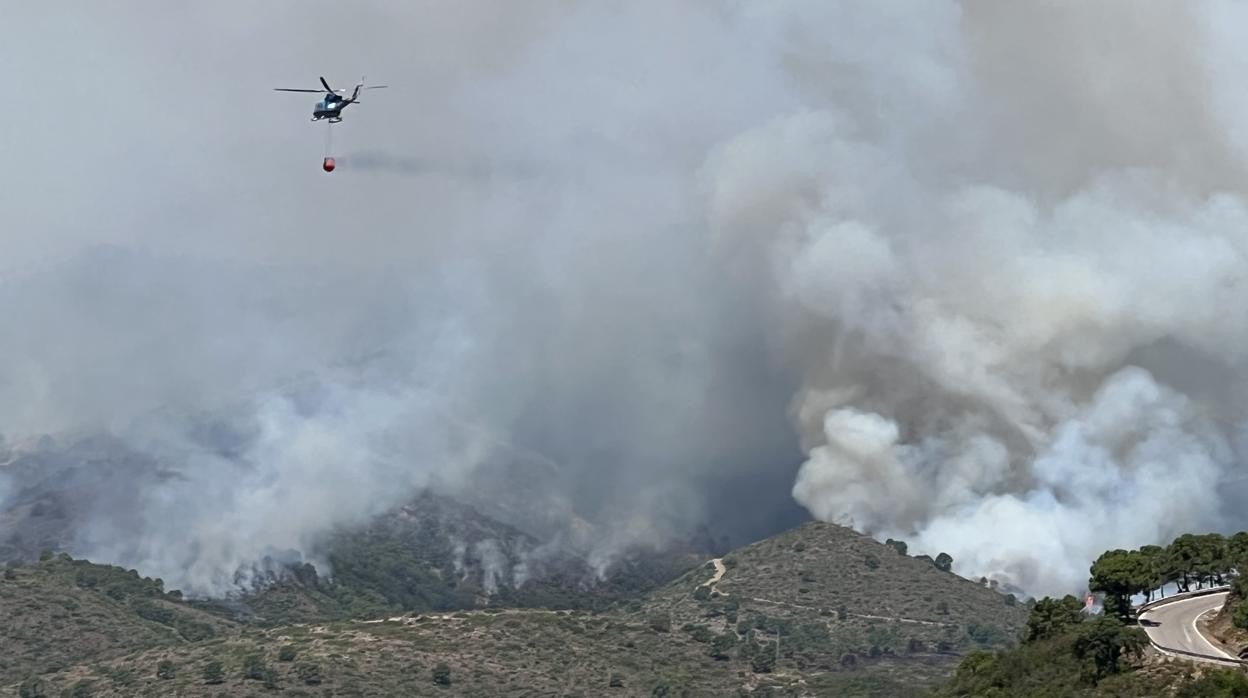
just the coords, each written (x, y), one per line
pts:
(1191, 560)
(1068, 651)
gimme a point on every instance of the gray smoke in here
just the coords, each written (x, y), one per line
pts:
(301, 351)
(494, 568)
(1012, 271)
(481, 169)
(988, 259)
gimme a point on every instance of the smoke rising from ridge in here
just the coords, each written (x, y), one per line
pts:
(994, 347)
(990, 279)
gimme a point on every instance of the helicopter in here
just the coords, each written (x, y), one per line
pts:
(331, 107)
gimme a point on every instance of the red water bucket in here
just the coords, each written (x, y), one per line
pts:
(328, 165)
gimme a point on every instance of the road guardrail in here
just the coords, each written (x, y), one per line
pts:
(1174, 651)
(1180, 596)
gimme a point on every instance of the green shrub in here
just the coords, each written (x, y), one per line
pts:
(309, 673)
(1051, 617)
(1216, 683)
(165, 670)
(155, 613)
(1240, 615)
(764, 660)
(254, 667)
(1105, 642)
(722, 646)
(702, 634)
(286, 653)
(194, 631)
(122, 676)
(984, 635)
(441, 674)
(31, 688)
(660, 623)
(213, 673)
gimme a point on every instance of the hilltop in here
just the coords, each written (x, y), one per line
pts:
(853, 617)
(846, 610)
(822, 566)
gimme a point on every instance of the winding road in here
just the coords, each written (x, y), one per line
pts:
(1172, 626)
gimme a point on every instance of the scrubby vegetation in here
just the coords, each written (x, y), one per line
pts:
(435, 555)
(839, 609)
(825, 630)
(1066, 652)
(62, 611)
(819, 610)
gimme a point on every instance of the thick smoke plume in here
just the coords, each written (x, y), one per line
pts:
(602, 269)
(527, 319)
(1013, 273)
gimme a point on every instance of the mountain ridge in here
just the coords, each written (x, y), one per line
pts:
(685, 637)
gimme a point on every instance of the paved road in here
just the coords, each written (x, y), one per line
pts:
(1176, 624)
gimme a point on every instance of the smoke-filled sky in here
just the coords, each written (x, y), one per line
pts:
(617, 269)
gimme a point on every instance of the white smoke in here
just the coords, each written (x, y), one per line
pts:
(536, 271)
(997, 347)
(1133, 466)
(307, 469)
(493, 564)
(459, 552)
(997, 250)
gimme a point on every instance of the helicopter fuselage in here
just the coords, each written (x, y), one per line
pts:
(330, 108)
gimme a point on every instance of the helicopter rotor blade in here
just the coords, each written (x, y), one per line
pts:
(326, 84)
(291, 89)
